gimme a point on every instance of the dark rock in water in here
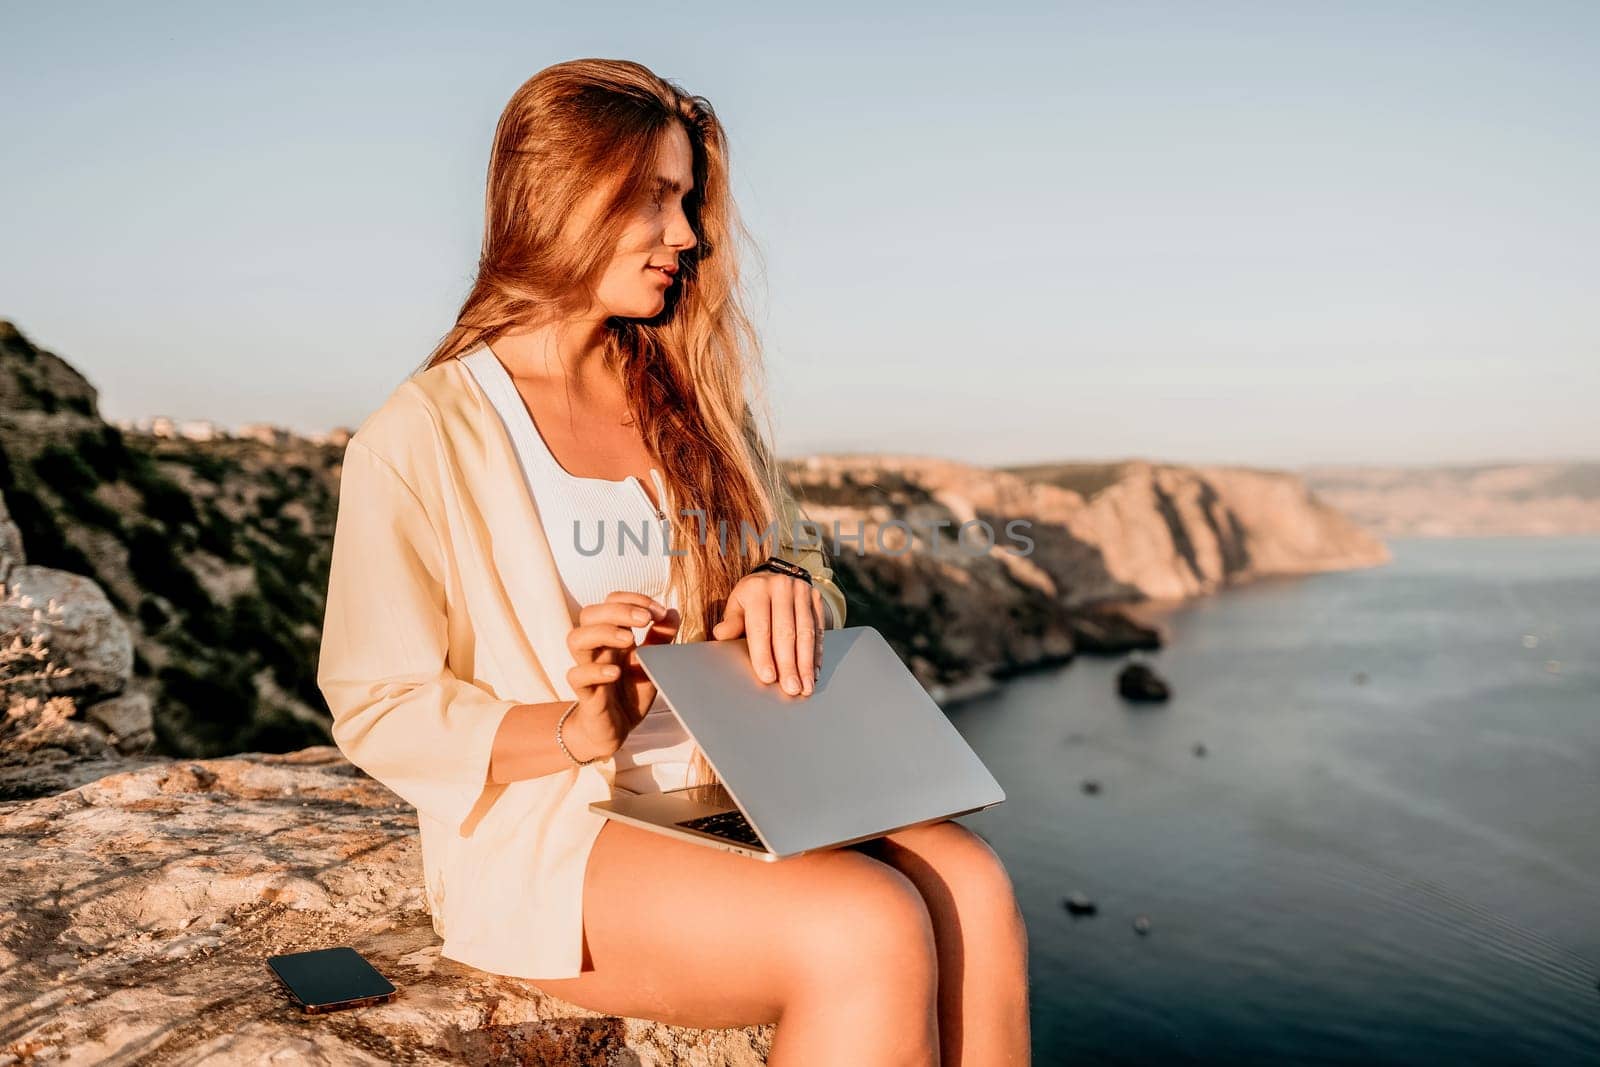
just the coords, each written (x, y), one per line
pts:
(1080, 904)
(1138, 682)
(1200, 750)
(1074, 738)
(1361, 677)
(1106, 631)
(1091, 786)
(1141, 923)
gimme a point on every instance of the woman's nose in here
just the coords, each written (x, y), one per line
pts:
(684, 234)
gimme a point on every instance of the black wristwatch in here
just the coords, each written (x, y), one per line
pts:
(782, 566)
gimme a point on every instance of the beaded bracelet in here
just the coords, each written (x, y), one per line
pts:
(563, 744)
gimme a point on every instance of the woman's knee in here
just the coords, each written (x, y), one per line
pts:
(864, 919)
(965, 884)
(982, 876)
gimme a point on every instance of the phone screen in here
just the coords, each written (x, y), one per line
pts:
(326, 979)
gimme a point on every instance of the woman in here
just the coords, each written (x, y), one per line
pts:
(481, 662)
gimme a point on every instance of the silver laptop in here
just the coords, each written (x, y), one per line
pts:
(866, 754)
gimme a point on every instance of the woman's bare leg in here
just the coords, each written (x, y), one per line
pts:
(835, 947)
(981, 937)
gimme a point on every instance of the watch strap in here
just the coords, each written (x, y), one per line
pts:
(782, 566)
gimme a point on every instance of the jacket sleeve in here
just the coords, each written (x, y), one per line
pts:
(398, 712)
(812, 558)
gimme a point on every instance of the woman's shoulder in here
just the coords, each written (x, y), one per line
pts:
(410, 426)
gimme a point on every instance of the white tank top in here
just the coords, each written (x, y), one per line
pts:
(605, 535)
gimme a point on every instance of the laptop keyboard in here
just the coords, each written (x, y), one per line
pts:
(731, 825)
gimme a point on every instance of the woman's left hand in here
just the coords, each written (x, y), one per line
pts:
(782, 617)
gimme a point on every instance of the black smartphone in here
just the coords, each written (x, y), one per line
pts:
(329, 979)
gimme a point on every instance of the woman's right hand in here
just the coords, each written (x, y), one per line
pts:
(613, 691)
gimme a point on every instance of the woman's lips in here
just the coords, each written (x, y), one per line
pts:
(659, 273)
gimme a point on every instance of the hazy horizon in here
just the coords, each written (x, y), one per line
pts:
(1239, 234)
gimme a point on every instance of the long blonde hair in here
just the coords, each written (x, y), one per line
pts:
(567, 130)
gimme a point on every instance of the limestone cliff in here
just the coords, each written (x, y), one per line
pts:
(1100, 535)
(1467, 500)
(141, 908)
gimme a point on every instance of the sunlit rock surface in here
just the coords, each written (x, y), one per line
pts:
(139, 911)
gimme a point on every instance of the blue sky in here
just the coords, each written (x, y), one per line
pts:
(1270, 233)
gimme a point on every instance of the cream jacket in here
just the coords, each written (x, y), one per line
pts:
(444, 611)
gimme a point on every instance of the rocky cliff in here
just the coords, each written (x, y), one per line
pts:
(142, 907)
(1095, 536)
(1470, 500)
(211, 558)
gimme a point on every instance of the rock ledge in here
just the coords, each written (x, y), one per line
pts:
(142, 906)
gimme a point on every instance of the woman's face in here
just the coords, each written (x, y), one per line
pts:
(657, 235)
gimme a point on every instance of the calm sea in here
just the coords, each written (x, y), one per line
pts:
(1403, 869)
